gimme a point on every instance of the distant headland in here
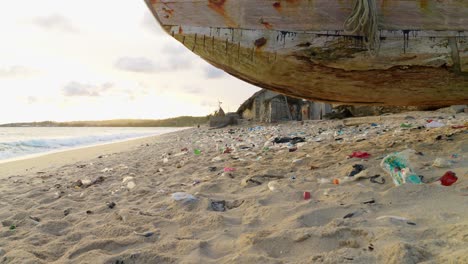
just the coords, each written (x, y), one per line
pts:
(181, 121)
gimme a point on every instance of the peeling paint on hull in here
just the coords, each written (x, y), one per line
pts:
(419, 66)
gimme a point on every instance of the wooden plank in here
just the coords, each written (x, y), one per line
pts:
(311, 15)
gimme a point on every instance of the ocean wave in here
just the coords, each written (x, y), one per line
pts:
(34, 146)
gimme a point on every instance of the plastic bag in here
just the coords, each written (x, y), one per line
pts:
(398, 166)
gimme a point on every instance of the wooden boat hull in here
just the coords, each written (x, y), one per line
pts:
(299, 48)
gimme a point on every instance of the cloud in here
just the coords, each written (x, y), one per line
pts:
(139, 64)
(82, 89)
(213, 73)
(31, 99)
(145, 65)
(193, 90)
(16, 71)
(55, 22)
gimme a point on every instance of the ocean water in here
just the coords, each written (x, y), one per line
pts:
(17, 142)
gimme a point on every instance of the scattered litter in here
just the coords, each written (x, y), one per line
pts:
(293, 141)
(293, 149)
(336, 181)
(218, 206)
(397, 218)
(184, 197)
(273, 186)
(306, 195)
(348, 215)
(357, 168)
(397, 165)
(228, 169)
(107, 170)
(372, 201)
(448, 178)
(129, 182)
(145, 234)
(434, 124)
(323, 180)
(442, 163)
(197, 151)
(111, 205)
(196, 182)
(373, 179)
(360, 155)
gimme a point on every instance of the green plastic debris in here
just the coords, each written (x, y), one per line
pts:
(197, 151)
(398, 166)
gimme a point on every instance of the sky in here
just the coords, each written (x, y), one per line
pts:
(94, 60)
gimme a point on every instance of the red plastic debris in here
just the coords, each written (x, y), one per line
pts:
(306, 195)
(449, 178)
(293, 149)
(228, 150)
(359, 154)
(458, 127)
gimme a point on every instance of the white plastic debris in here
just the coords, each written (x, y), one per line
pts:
(273, 186)
(129, 182)
(183, 197)
(107, 170)
(442, 163)
(434, 124)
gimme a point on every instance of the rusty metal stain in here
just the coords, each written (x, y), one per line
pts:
(265, 24)
(218, 7)
(277, 6)
(260, 42)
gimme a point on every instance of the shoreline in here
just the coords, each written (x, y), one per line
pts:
(41, 161)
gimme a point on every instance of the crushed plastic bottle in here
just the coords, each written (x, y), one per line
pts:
(398, 166)
(183, 197)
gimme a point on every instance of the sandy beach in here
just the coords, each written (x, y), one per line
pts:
(231, 195)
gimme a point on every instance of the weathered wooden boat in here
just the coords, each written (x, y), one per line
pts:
(382, 52)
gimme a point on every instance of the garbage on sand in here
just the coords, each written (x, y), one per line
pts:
(183, 197)
(357, 168)
(360, 155)
(398, 167)
(442, 163)
(218, 206)
(434, 124)
(449, 178)
(293, 140)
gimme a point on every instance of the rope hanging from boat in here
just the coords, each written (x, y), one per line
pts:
(364, 21)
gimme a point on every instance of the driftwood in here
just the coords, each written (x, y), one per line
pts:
(301, 48)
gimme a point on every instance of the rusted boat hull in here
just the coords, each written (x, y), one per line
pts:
(300, 48)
